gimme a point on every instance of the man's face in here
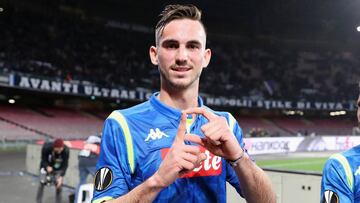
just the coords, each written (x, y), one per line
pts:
(58, 150)
(181, 54)
(358, 110)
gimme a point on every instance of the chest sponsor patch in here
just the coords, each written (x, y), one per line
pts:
(211, 166)
(103, 179)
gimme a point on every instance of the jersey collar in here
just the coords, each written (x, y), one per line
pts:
(166, 110)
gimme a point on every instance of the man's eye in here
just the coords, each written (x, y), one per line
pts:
(193, 46)
(171, 46)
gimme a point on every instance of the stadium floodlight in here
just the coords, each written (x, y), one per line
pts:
(11, 101)
(358, 28)
(301, 113)
(337, 113)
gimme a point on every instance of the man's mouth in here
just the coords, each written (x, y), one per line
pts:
(181, 69)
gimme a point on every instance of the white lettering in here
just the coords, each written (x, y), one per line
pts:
(105, 92)
(24, 82)
(132, 95)
(211, 162)
(216, 162)
(75, 89)
(114, 93)
(45, 85)
(55, 86)
(124, 94)
(207, 165)
(88, 90)
(67, 87)
(97, 92)
(35, 82)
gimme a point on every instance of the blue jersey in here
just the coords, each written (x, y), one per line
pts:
(341, 177)
(136, 140)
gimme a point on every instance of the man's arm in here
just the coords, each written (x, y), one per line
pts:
(220, 140)
(65, 163)
(254, 183)
(335, 182)
(44, 156)
(179, 160)
(145, 192)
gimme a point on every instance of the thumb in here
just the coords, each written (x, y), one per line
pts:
(180, 136)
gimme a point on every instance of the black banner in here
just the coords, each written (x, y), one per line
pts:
(83, 88)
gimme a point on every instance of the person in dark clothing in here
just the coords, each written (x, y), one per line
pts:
(53, 165)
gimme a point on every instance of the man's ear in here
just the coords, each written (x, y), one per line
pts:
(207, 57)
(153, 55)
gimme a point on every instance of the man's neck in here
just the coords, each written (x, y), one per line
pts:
(179, 100)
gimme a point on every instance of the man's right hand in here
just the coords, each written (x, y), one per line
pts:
(180, 159)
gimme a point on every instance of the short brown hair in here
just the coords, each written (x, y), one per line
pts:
(175, 12)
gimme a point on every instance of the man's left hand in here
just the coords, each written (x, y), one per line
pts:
(219, 138)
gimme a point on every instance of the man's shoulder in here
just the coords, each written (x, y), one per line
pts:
(352, 155)
(342, 161)
(47, 146)
(66, 149)
(219, 113)
(133, 111)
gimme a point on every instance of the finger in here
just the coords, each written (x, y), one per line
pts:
(195, 139)
(181, 129)
(213, 132)
(190, 157)
(214, 142)
(201, 110)
(191, 149)
(187, 165)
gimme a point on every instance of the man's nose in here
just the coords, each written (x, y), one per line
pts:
(181, 56)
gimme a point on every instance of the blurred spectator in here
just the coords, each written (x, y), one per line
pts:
(53, 166)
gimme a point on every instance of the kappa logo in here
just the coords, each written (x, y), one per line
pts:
(155, 134)
(103, 178)
(330, 197)
(357, 172)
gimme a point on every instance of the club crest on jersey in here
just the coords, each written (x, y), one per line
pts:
(156, 134)
(103, 179)
(330, 197)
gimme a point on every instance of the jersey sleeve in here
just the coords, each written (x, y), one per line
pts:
(231, 176)
(334, 184)
(113, 176)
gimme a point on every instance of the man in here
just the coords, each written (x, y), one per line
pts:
(53, 165)
(172, 148)
(341, 175)
(87, 160)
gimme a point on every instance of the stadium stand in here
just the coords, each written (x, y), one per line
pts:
(260, 127)
(70, 46)
(52, 122)
(67, 47)
(11, 132)
(282, 126)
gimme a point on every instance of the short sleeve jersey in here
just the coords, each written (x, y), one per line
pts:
(136, 140)
(341, 177)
